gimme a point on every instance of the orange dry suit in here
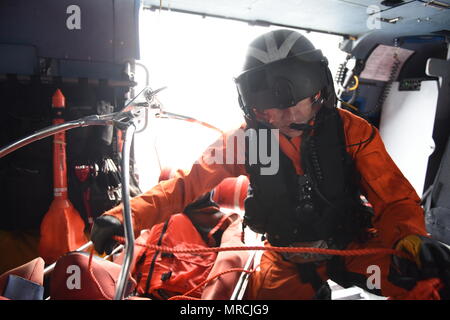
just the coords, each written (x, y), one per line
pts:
(397, 211)
(162, 275)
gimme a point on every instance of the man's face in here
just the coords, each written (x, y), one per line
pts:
(302, 112)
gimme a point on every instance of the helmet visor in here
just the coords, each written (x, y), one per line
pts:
(283, 83)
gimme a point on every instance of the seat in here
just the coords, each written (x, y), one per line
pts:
(437, 201)
(72, 279)
(32, 272)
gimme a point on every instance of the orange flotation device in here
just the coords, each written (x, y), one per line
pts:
(62, 229)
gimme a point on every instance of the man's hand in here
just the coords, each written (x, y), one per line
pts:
(430, 259)
(105, 227)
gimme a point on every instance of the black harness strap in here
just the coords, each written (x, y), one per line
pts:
(327, 207)
(152, 265)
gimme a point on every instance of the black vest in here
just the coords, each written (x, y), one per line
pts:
(323, 204)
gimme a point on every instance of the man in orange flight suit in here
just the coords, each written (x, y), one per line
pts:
(286, 85)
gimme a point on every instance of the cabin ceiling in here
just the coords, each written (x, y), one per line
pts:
(343, 17)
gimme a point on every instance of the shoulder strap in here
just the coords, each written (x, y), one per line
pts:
(152, 265)
(324, 156)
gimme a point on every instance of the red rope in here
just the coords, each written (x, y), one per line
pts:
(94, 279)
(205, 124)
(424, 290)
(183, 297)
(356, 252)
(91, 254)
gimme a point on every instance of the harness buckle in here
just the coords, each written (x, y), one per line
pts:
(298, 257)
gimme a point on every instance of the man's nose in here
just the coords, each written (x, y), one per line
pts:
(290, 114)
(277, 115)
(272, 115)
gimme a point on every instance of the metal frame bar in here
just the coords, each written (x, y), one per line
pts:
(127, 218)
(242, 283)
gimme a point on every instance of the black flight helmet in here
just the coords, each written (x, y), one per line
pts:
(281, 68)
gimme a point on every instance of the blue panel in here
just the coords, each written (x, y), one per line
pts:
(95, 70)
(50, 26)
(126, 32)
(18, 59)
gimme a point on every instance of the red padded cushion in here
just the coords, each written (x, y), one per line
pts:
(33, 271)
(97, 283)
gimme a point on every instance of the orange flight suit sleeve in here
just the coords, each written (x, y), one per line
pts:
(396, 204)
(172, 196)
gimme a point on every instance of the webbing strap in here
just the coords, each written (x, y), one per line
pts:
(152, 265)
